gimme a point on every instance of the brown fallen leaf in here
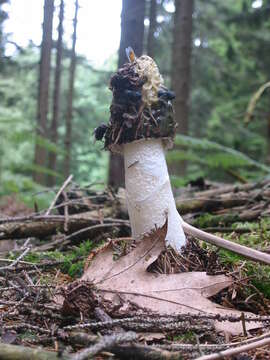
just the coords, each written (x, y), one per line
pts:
(150, 337)
(161, 293)
(8, 337)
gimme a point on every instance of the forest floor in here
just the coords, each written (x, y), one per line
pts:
(47, 312)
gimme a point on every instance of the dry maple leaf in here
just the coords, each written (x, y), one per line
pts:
(170, 294)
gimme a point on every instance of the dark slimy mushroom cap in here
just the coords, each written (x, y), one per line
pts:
(141, 106)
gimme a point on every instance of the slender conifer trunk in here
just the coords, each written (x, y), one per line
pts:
(56, 94)
(152, 29)
(181, 66)
(132, 31)
(68, 136)
(40, 157)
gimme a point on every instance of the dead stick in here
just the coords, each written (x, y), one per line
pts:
(216, 347)
(241, 230)
(105, 343)
(66, 214)
(244, 324)
(16, 261)
(98, 226)
(144, 352)
(245, 251)
(68, 180)
(235, 351)
(24, 325)
(78, 338)
(54, 224)
(15, 352)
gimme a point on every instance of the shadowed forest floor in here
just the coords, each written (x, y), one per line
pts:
(51, 249)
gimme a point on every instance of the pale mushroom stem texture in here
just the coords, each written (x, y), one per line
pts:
(149, 194)
(142, 126)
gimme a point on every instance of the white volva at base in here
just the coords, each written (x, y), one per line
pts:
(149, 195)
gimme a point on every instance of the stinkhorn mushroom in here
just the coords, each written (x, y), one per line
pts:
(142, 127)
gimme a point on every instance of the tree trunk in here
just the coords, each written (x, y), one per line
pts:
(268, 140)
(56, 95)
(181, 64)
(16, 352)
(43, 91)
(132, 30)
(68, 138)
(3, 37)
(152, 28)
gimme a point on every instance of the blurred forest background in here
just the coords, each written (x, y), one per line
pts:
(213, 54)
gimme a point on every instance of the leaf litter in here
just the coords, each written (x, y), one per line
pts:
(30, 315)
(165, 294)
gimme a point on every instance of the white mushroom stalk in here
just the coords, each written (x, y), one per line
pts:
(148, 191)
(142, 127)
(149, 194)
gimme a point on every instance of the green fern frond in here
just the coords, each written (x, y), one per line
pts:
(223, 156)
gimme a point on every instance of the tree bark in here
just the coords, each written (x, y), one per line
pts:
(132, 31)
(152, 29)
(56, 94)
(268, 140)
(43, 91)
(42, 226)
(132, 28)
(181, 64)
(68, 137)
(50, 225)
(15, 352)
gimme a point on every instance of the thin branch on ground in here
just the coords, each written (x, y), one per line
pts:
(105, 343)
(65, 184)
(235, 351)
(16, 261)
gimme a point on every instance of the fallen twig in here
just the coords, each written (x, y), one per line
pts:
(217, 347)
(157, 320)
(240, 230)
(65, 184)
(30, 286)
(235, 351)
(105, 343)
(94, 227)
(144, 352)
(66, 213)
(44, 225)
(245, 251)
(16, 261)
(26, 326)
(15, 352)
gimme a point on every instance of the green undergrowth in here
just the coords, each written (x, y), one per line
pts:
(259, 274)
(209, 220)
(187, 337)
(259, 239)
(28, 335)
(71, 262)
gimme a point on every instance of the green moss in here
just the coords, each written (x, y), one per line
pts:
(76, 270)
(260, 277)
(72, 262)
(204, 220)
(262, 227)
(258, 239)
(187, 337)
(259, 274)
(27, 335)
(229, 258)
